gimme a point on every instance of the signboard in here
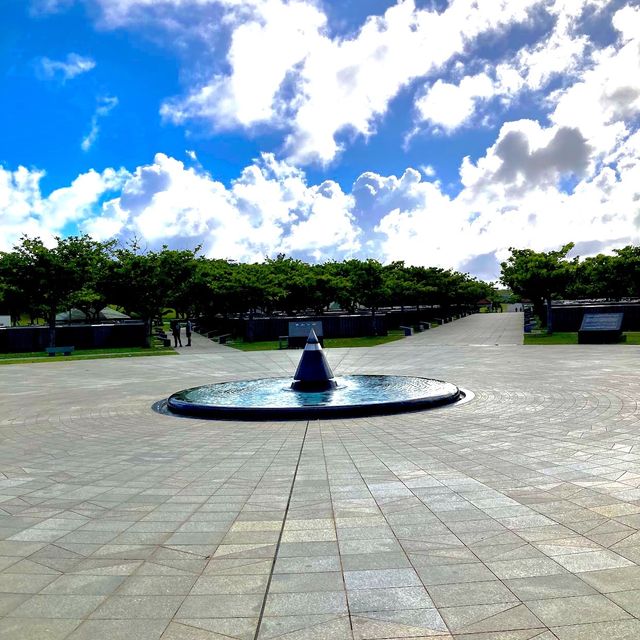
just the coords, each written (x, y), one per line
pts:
(602, 322)
(5, 321)
(302, 329)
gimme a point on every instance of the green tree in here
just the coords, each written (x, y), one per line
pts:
(627, 270)
(294, 283)
(93, 295)
(368, 283)
(539, 276)
(52, 276)
(178, 270)
(14, 296)
(143, 283)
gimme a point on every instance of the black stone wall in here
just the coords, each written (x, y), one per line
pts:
(81, 336)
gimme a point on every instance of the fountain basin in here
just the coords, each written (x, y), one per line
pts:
(275, 399)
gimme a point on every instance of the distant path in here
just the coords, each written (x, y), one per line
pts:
(199, 344)
(478, 329)
(486, 329)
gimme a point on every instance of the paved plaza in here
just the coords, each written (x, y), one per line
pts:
(511, 517)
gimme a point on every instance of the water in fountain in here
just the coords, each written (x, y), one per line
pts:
(314, 393)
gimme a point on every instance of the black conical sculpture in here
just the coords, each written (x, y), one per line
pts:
(313, 372)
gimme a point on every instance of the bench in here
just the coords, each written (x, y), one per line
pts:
(424, 325)
(53, 351)
(223, 338)
(408, 331)
(283, 342)
(160, 335)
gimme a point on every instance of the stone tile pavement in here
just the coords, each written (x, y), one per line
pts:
(512, 517)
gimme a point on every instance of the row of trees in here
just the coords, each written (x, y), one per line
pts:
(82, 273)
(543, 276)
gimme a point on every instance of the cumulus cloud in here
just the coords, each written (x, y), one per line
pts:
(105, 106)
(285, 69)
(268, 209)
(74, 65)
(527, 155)
(321, 88)
(272, 208)
(514, 196)
(449, 106)
(606, 98)
(25, 210)
(563, 53)
(572, 174)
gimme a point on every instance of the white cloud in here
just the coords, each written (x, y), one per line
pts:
(267, 210)
(271, 208)
(262, 52)
(105, 106)
(449, 106)
(24, 210)
(606, 99)
(321, 87)
(571, 175)
(516, 195)
(525, 155)
(73, 66)
(562, 53)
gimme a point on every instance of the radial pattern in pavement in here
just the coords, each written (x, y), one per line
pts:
(516, 515)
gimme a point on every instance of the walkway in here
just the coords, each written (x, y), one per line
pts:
(479, 329)
(512, 517)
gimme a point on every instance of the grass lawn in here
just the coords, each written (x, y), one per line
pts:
(329, 343)
(571, 337)
(85, 354)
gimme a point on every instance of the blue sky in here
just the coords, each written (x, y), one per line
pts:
(439, 133)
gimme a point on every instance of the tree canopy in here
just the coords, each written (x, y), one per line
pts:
(543, 276)
(80, 272)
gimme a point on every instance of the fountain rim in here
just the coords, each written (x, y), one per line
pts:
(175, 405)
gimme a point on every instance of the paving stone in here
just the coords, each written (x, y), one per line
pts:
(220, 606)
(284, 604)
(616, 630)
(489, 617)
(555, 586)
(303, 627)
(390, 599)
(156, 585)
(315, 581)
(227, 584)
(521, 502)
(455, 573)
(119, 630)
(211, 628)
(134, 607)
(628, 600)
(381, 578)
(469, 593)
(592, 561)
(83, 585)
(576, 610)
(415, 623)
(36, 629)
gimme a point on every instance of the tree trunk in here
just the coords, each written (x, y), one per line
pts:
(549, 317)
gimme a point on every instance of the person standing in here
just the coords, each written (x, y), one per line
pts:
(187, 331)
(175, 330)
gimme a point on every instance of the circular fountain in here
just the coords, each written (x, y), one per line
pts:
(314, 393)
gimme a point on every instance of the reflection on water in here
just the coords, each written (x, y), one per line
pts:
(352, 390)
